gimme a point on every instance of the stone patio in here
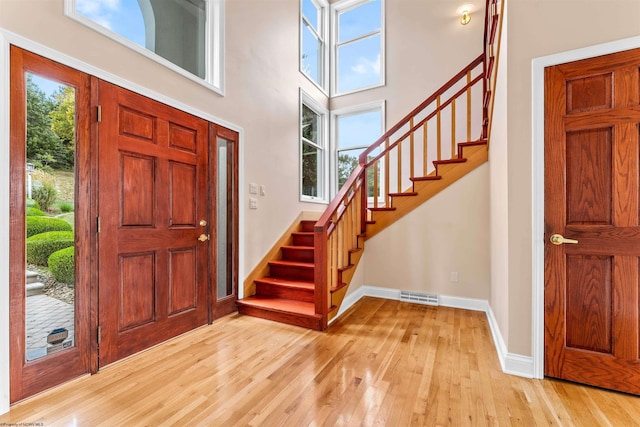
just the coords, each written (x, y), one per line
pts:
(45, 314)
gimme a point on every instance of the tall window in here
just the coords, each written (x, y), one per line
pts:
(358, 52)
(312, 150)
(355, 129)
(313, 47)
(185, 35)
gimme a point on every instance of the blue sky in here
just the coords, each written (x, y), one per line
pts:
(120, 16)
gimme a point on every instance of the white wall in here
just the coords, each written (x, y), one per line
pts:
(499, 190)
(448, 233)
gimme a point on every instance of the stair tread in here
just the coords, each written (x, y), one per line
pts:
(304, 233)
(407, 193)
(287, 282)
(444, 162)
(381, 209)
(426, 178)
(286, 263)
(294, 247)
(281, 304)
(472, 143)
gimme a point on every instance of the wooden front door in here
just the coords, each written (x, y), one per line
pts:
(152, 212)
(592, 156)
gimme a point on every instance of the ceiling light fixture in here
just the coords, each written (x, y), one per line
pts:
(465, 18)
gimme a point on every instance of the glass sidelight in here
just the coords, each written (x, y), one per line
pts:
(50, 212)
(225, 217)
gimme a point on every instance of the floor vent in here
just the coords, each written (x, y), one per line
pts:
(419, 298)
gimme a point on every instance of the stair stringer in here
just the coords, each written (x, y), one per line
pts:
(346, 276)
(475, 156)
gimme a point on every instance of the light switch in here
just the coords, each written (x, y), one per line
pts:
(263, 190)
(253, 203)
(253, 188)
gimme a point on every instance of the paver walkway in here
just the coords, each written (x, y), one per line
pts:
(44, 314)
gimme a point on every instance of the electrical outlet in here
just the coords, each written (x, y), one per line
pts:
(263, 190)
(253, 203)
(454, 277)
(253, 188)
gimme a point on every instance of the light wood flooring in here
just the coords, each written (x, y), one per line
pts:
(383, 363)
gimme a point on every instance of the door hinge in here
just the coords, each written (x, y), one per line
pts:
(99, 113)
(98, 223)
(99, 334)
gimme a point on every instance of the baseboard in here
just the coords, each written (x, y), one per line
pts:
(510, 363)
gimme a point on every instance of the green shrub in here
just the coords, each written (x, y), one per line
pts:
(41, 224)
(32, 204)
(45, 195)
(62, 265)
(35, 212)
(41, 246)
(65, 207)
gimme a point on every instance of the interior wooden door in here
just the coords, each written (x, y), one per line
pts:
(592, 133)
(37, 360)
(153, 238)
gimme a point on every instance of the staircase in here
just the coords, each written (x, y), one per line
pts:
(287, 294)
(428, 150)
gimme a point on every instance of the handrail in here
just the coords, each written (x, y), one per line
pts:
(325, 218)
(422, 106)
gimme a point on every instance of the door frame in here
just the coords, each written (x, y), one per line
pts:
(537, 181)
(7, 39)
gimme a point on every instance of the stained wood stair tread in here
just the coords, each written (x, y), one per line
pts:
(448, 161)
(286, 263)
(298, 313)
(382, 209)
(287, 282)
(426, 178)
(405, 194)
(294, 247)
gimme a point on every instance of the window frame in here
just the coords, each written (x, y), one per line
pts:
(214, 44)
(323, 145)
(336, 10)
(379, 105)
(323, 26)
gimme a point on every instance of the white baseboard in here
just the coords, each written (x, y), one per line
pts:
(512, 364)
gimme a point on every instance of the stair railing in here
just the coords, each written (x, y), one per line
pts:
(459, 109)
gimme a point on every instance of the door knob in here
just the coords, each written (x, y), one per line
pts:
(558, 239)
(203, 237)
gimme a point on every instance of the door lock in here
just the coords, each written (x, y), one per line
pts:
(203, 237)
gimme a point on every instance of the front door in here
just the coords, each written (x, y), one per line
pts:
(592, 214)
(154, 224)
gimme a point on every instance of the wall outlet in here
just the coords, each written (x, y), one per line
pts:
(454, 277)
(253, 188)
(253, 203)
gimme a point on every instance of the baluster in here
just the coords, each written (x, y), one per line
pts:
(468, 106)
(386, 172)
(375, 184)
(439, 131)
(399, 154)
(453, 129)
(425, 149)
(411, 156)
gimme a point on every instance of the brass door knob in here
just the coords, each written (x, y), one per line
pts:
(203, 237)
(558, 239)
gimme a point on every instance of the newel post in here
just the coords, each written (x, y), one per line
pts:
(320, 272)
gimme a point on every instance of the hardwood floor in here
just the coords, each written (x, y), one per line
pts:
(382, 363)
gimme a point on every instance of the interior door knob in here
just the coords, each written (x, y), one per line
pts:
(203, 237)
(558, 239)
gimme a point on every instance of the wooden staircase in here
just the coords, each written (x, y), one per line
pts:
(308, 276)
(287, 293)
